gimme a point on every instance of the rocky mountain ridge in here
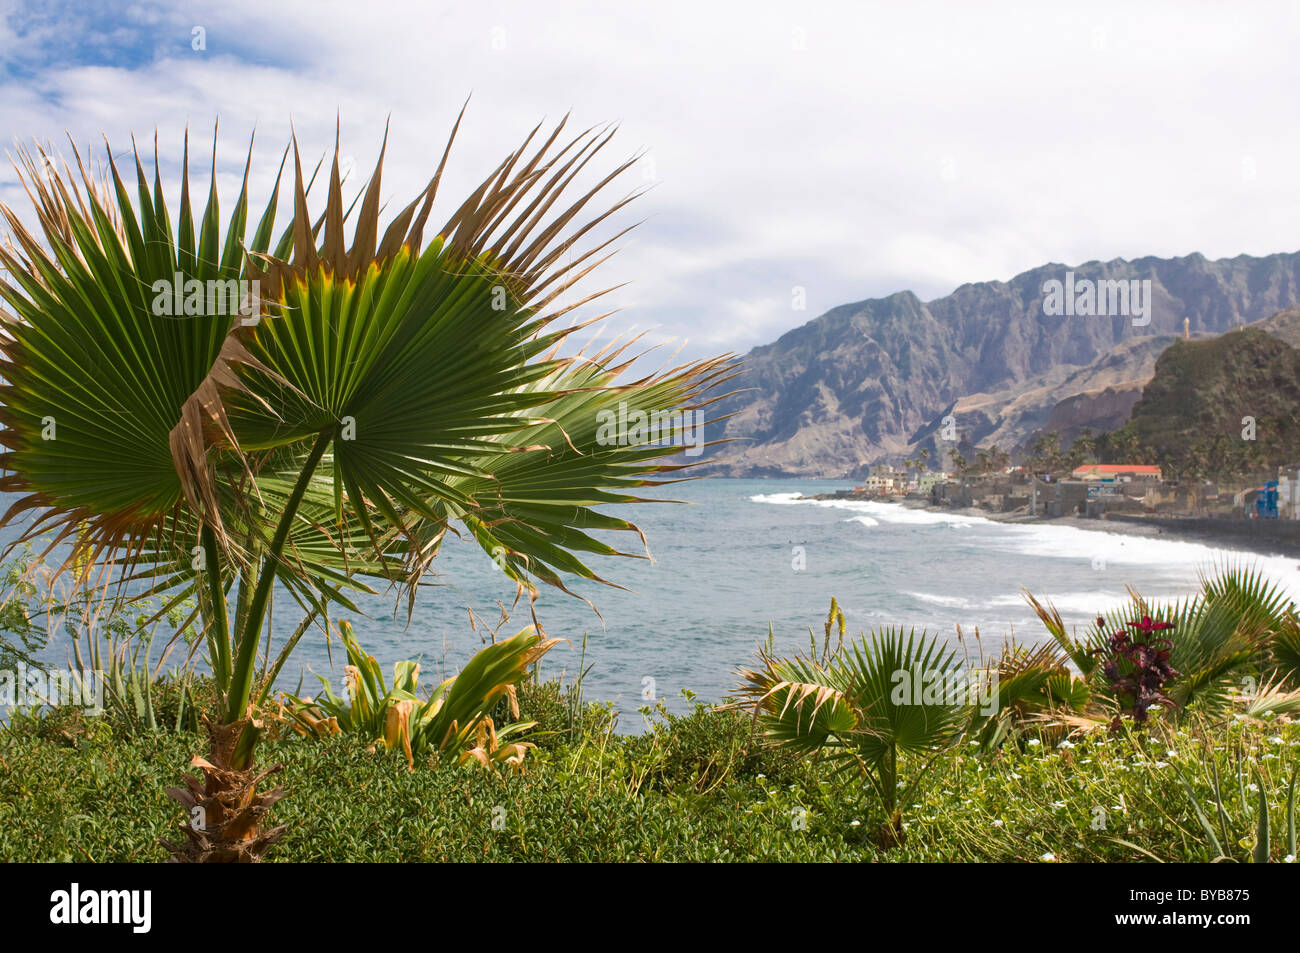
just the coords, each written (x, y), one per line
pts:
(873, 381)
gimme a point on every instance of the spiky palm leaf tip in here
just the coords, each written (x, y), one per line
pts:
(381, 388)
(197, 411)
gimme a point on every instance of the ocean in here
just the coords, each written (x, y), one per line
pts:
(741, 555)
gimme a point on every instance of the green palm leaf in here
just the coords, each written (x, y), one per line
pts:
(867, 704)
(368, 393)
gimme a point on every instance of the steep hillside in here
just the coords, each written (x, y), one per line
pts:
(869, 381)
(1284, 324)
(1191, 413)
(1067, 399)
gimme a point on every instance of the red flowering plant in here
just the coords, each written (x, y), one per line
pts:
(1137, 666)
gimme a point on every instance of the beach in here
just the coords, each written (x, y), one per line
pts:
(1150, 527)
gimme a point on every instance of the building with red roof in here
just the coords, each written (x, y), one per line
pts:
(1118, 472)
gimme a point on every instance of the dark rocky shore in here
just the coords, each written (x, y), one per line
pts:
(1265, 537)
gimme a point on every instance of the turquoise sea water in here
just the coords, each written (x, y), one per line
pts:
(745, 553)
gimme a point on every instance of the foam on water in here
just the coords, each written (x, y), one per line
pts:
(934, 599)
(1088, 603)
(878, 512)
(750, 553)
(1180, 558)
(864, 520)
(1176, 561)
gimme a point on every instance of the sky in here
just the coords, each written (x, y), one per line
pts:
(800, 156)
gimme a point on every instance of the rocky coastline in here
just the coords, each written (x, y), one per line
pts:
(1264, 537)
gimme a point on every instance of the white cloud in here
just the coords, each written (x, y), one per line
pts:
(849, 149)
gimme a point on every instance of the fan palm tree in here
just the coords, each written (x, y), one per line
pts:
(865, 705)
(1001, 459)
(368, 392)
(1240, 628)
(871, 702)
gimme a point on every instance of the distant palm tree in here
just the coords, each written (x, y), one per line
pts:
(1085, 446)
(1046, 450)
(1122, 446)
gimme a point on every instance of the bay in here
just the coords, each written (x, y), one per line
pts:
(739, 555)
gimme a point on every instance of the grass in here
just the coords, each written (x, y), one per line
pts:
(696, 787)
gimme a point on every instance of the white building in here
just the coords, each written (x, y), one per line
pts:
(878, 483)
(1288, 493)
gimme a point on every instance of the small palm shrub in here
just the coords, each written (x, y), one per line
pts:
(866, 705)
(1285, 650)
(897, 701)
(454, 721)
(1188, 656)
(1026, 691)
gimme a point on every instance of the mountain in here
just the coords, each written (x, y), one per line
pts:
(874, 380)
(1099, 395)
(1233, 400)
(1284, 325)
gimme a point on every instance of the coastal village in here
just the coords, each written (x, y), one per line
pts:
(1266, 509)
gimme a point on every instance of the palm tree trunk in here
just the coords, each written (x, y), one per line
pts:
(224, 808)
(890, 834)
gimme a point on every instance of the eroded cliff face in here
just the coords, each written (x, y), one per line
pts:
(1099, 410)
(871, 381)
